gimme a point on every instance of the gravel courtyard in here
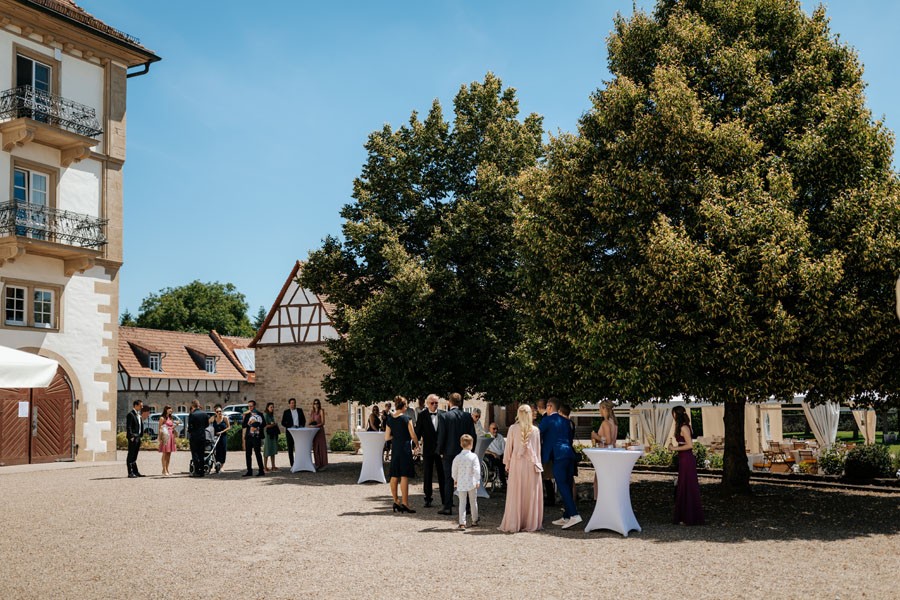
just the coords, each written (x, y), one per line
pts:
(92, 533)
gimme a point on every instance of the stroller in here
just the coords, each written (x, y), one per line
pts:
(209, 453)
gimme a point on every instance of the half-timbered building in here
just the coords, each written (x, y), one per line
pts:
(173, 368)
(288, 352)
(62, 157)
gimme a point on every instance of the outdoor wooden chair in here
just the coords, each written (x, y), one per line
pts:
(808, 457)
(799, 445)
(764, 466)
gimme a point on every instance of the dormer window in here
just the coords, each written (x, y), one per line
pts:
(154, 361)
(210, 364)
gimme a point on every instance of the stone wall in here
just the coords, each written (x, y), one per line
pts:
(177, 399)
(284, 372)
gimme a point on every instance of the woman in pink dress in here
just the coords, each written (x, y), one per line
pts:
(166, 438)
(524, 490)
(320, 450)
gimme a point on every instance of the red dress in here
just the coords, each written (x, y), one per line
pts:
(688, 509)
(320, 449)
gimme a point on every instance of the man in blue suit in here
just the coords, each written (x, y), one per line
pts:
(557, 437)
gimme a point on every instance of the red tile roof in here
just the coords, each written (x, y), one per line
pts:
(177, 362)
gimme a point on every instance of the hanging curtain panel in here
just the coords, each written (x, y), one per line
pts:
(865, 420)
(823, 421)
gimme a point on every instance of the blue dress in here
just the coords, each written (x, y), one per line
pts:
(401, 448)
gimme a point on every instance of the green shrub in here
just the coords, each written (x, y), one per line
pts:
(657, 455)
(579, 455)
(282, 442)
(807, 468)
(716, 461)
(341, 440)
(234, 438)
(122, 441)
(864, 463)
(831, 460)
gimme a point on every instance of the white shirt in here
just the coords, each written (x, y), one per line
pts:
(466, 470)
(434, 420)
(497, 446)
(295, 417)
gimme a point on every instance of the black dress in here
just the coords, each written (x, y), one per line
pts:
(222, 447)
(401, 450)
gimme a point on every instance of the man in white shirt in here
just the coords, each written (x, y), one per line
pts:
(493, 456)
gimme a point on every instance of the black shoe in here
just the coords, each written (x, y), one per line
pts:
(130, 475)
(405, 508)
(428, 504)
(396, 508)
(248, 474)
(261, 473)
(445, 511)
(136, 474)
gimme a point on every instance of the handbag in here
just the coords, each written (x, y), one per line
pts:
(273, 432)
(538, 468)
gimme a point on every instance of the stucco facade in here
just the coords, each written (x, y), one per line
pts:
(64, 180)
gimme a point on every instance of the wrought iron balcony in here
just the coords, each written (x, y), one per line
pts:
(39, 222)
(44, 107)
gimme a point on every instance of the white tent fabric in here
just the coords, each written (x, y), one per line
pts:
(655, 423)
(823, 420)
(24, 370)
(865, 420)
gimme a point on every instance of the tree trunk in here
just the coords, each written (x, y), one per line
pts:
(736, 473)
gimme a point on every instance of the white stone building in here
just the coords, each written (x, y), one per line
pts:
(62, 132)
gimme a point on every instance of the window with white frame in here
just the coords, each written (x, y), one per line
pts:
(14, 304)
(359, 416)
(31, 188)
(32, 72)
(42, 308)
(210, 364)
(154, 361)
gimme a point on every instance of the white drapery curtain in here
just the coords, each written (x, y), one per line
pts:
(655, 424)
(823, 421)
(865, 420)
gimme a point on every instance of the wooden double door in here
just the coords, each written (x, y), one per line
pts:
(37, 425)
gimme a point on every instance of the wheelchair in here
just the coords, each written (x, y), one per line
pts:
(490, 475)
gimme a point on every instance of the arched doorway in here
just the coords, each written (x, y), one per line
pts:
(37, 425)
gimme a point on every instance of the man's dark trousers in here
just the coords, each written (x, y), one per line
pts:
(198, 444)
(134, 446)
(251, 444)
(433, 463)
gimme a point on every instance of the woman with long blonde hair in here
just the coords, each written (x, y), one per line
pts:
(524, 492)
(605, 436)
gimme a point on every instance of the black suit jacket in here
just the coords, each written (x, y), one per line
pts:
(287, 420)
(455, 424)
(198, 421)
(426, 433)
(134, 427)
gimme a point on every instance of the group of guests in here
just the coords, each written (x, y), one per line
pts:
(259, 435)
(537, 453)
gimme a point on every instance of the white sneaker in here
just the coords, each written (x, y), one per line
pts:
(560, 521)
(572, 521)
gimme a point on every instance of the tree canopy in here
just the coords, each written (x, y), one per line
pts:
(725, 225)
(424, 277)
(198, 307)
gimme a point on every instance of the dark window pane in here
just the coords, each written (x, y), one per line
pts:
(23, 70)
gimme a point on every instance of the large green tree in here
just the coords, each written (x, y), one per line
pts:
(198, 307)
(725, 223)
(424, 278)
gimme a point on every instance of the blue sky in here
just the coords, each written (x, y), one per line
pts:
(244, 141)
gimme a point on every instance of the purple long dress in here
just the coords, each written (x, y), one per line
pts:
(688, 509)
(320, 449)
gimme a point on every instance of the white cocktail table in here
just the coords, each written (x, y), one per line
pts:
(613, 508)
(372, 444)
(303, 439)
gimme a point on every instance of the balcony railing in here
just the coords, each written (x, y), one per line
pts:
(40, 222)
(25, 101)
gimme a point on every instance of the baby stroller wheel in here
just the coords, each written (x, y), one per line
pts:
(218, 466)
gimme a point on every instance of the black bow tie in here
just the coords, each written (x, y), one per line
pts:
(432, 414)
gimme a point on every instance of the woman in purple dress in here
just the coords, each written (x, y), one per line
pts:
(320, 449)
(688, 510)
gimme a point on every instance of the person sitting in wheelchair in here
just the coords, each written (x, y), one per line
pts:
(493, 456)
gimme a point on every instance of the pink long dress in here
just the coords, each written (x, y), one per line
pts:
(169, 427)
(524, 490)
(320, 450)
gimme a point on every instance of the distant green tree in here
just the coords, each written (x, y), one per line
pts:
(726, 224)
(198, 307)
(424, 279)
(126, 319)
(260, 318)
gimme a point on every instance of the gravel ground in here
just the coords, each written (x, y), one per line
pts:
(92, 533)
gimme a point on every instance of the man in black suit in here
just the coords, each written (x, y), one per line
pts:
(252, 438)
(292, 417)
(198, 421)
(134, 429)
(456, 423)
(428, 424)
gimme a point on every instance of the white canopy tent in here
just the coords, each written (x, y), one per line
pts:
(25, 370)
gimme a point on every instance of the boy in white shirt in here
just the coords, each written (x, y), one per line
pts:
(466, 472)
